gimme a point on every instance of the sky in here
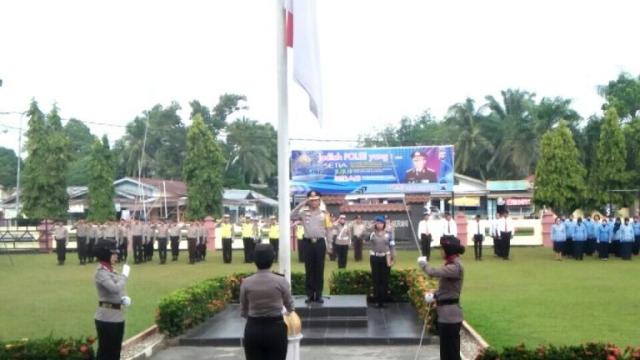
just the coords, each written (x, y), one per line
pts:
(106, 62)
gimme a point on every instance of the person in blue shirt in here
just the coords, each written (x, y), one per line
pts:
(603, 235)
(570, 228)
(614, 248)
(627, 239)
(636, 235)
(559, 237)
(579, 238)
(590, 245)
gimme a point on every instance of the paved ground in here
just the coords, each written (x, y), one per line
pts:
(430, 352)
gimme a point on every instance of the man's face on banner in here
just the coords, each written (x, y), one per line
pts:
(418, 162)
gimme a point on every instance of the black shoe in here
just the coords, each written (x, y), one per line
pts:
(320, 300)
(308, 300)
(381, 306)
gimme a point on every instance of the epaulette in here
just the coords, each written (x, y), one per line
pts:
(277, 273)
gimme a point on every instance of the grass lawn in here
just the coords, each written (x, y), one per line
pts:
(531, 299)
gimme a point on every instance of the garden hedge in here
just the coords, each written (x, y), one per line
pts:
(587, 351)
(48, 348)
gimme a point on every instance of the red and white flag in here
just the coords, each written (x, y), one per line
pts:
(302, 37)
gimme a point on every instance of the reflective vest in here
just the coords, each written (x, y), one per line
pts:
(226, 230)
(247, 230)
(274, 231)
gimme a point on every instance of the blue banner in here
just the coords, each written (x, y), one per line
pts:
(415, 169)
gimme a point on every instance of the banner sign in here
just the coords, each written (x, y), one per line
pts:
(415, 169)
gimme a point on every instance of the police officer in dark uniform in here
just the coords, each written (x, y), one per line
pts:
(262, 297)
(478, 238)
(317, 242)
(420, 172)
(112, 299)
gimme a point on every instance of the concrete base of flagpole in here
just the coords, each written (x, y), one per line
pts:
(293, 350)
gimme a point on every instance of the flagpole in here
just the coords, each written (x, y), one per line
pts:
(283, 145)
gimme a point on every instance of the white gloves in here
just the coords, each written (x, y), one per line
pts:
(126, 269)
(125, 300)
(422, 261)
(429, 298)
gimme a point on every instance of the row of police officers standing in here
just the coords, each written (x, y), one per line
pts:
(576, 238)
(142, 235)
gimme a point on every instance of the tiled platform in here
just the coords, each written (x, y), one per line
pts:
(398, 324)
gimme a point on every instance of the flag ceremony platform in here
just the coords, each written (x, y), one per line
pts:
(341, 320)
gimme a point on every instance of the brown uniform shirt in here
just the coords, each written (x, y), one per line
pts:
(263, 294)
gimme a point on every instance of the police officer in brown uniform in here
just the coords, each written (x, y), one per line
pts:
(447, 296)
(163, 236)
(382, 256)
(174, 235)
(112, 299)
(136, 236)
(343, 240)
(81, 240)
(192, 241)
(317, 242)
(61, 235)
(262, 297)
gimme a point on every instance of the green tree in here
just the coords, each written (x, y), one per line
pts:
(8, 167)
(472, 144)
(623, 94)
(227, 105)
(610, 166)
(560, 175)
(45, 175)
(632, 140)
(251, 149)
(80, 141)
(202, 171)
(101, 182)
(517, 145)
(161, 153)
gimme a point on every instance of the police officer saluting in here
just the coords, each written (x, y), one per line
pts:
(317, 229)
(262, 297)
(112, 299)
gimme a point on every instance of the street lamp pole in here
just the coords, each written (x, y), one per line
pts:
(18, 172)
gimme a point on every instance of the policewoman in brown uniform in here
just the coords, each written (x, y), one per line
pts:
(447, 296)
(262, 298)
(112, 299)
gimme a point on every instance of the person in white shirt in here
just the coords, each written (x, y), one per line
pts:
(424, 234)
(478, 238)
(505, 228)
(449, 227)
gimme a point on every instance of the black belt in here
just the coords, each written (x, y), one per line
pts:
(108, 305)
(447, 302)
(265, 319)
(313, 240)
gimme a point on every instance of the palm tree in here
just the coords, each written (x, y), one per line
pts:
(472, 146)
(250, 150)
(517, 148)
